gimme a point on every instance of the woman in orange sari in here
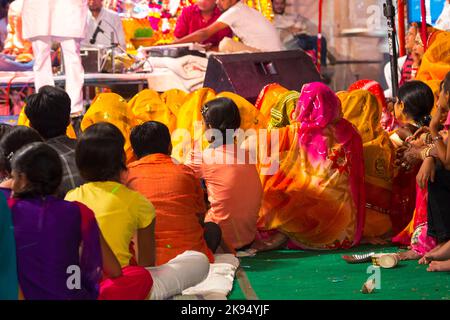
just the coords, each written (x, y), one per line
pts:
(316, 198)
(388, 121)
(111, 108)
(362, 109)
(268, 97)
(434, 62)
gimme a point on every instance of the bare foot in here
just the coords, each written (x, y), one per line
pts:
(440, 253)
(439, 266)
(274, 242)
(424, 260)
(408, 255)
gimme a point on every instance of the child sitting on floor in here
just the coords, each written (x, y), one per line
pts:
(49, 232)
(122, 213)
(174, 191)
(233, 184)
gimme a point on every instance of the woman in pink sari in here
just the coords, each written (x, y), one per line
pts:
(316, 197)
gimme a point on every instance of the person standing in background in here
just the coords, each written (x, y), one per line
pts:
(109, 23)
(63, 21)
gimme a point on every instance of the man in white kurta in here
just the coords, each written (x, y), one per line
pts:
(63, 21)
(109, 22)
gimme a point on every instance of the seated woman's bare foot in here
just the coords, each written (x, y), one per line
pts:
(440, 253)
(432, 255)
(408, 255)
(439, 266)
(276, 241)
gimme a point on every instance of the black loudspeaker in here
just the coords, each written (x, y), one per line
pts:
(247, 73)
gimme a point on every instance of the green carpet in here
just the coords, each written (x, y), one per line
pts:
(300, 275)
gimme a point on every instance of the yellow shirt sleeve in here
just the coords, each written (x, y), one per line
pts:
(144, 210)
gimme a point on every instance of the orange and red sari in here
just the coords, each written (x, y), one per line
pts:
(316, 197)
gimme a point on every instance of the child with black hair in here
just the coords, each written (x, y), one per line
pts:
(174, 191)
(58, 229)
(16, 138)
(413, 107)
(233, 184)
(49, 232)
(123, 213)
(49, 113)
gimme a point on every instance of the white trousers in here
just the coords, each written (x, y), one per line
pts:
(184, 271)
(74, 71)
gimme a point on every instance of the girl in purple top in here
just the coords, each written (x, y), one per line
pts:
(49, 232)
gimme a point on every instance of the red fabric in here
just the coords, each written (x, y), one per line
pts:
(403, 199)
(134, 284)
(191, 20)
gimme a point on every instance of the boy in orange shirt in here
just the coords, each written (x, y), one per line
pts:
(175, 193)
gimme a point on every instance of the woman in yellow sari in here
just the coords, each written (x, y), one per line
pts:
(111, 108)
(363, 110)
(435, 62)
(268, 97)
(189, 128)
(316, 197)
(149, 105)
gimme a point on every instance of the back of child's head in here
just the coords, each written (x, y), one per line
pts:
(49, 111)
(42, 168)
(99, 153)
(149, 138)
(4, 129)
(418, 101)
(222, 114)
(12, 141)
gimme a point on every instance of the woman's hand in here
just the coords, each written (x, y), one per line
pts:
(436, 121)
(426, 172)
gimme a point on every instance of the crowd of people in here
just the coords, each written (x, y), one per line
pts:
(140, 224)
(136, 201)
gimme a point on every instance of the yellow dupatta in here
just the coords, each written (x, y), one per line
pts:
(173, 99)
(111, 108)
(251, 118)
(363, 110)
(189, 129)
(149, 105)
(268, 97)
(436, 61)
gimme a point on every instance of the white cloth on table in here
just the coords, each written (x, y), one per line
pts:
(190, 71)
